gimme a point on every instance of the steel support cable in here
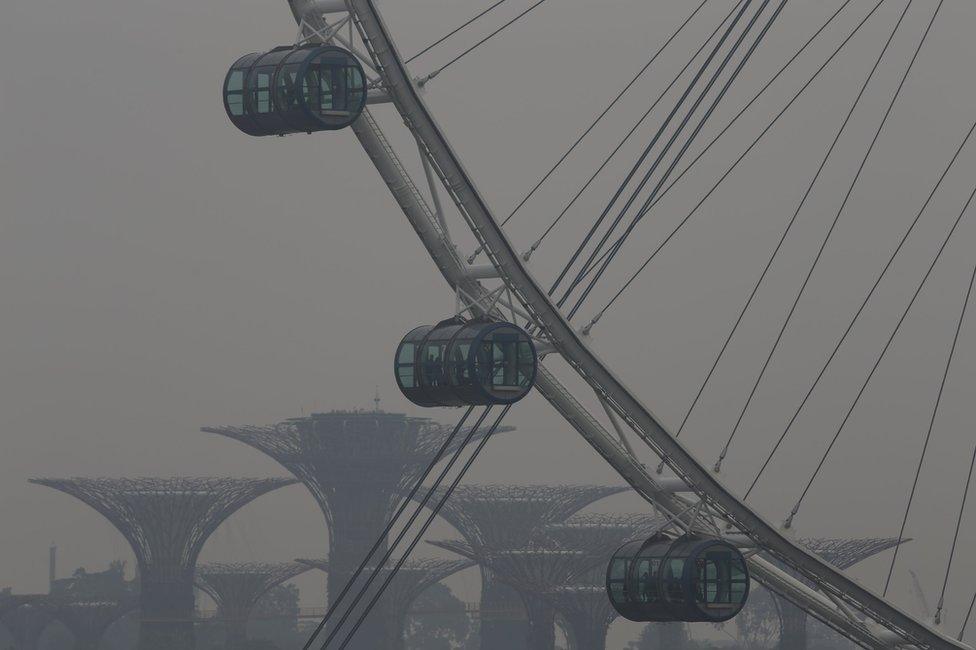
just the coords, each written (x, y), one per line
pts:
(480, 43)
(393, 521)
(454, 31)
(725, 175)
(637, 125)
(928, 437)
(419, 536)
(827, 237)
(840, 210)
(857, 398)
(593, 125)
(749, 105)
(615, 248)
(962, 510)
(647, 150)
(840, 587)
(413, 517)
(962, 506)
(969, 615)
(884, 271)
(666, 149)
(864, 304)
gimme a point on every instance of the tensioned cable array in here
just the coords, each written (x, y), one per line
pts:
(480, 43)
(734, 165)
(931, 426)
(393, 521)
(630, 133)
(636, 219)
(844, 204)
(874, 369)
(593, 125)
(454, 31)
(407, 526)
(962, 505)
(837, 216)
(425, 526)
(650, 147)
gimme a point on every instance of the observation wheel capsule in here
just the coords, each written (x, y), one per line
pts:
(466, 363)
(689, 579)
(295, 90)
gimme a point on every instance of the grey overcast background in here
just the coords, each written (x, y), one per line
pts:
(160, 271)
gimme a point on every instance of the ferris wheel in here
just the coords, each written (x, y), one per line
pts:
(542, 335)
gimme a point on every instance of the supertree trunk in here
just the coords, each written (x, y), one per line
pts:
(542, 624)
(586, 636)
(167, 606)
(378, 629)
(793, 634)
(235, 628)
(504, 624)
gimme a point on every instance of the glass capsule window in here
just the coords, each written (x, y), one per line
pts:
(688, 579)
(295, 90)
(460, 363)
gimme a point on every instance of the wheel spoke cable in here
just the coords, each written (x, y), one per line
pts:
(615, 248)
(730, 170)
(928, 433)
(637, 125)
(830, 231)
(419, 536)
(593, 125)
(646, 153)
(874, 368)
(480, 43)
(955, 536)
(969, 615)
(454, 31)
(883, 273)
(769, 263)
(864, 303)
(732, 122)
(406, 501)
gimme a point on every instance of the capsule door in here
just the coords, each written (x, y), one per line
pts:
(406, 366)
(722, 584)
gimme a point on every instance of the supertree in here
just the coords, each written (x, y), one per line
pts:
(532, 570)
(356, 464)
(27, 623)
(843, 553)
(583, 603)
(236, 588)
(166, 522)
(409, 582)
(88, 620)
(497, 518)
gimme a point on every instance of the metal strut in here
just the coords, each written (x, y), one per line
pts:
(894, 626)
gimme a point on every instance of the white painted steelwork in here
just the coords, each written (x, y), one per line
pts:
(839, 601)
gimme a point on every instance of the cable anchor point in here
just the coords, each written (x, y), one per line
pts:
(589, 327)
(717, 467)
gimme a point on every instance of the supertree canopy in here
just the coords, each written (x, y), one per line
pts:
(496, 518)
(356, 464)
(166, 522)
(582, 603)
(236, 588)
(409, 582)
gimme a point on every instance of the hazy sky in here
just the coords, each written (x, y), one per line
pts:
(160, 271)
